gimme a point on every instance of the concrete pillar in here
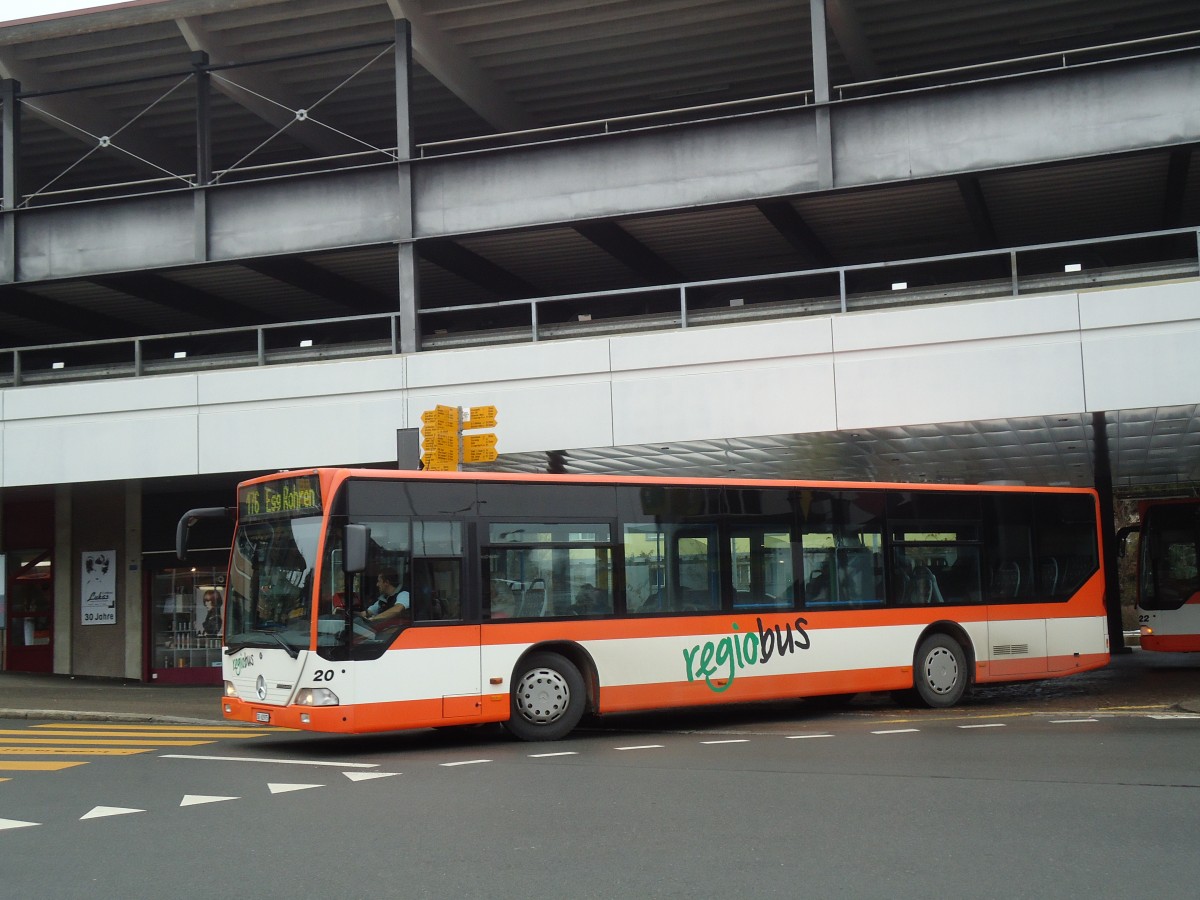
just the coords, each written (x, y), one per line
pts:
(133, 605)
(64, 581)
(1102, 478)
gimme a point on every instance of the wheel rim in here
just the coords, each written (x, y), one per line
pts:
(542, 696)
(941, 670)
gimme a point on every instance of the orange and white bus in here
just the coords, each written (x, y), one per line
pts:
(532, 599)
(1168, 577)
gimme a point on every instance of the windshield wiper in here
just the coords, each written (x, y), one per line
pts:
(274, 635)
(291, 651)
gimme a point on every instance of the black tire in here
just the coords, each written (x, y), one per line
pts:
(940, 675)
(547, 698)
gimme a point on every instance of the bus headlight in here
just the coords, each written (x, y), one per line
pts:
(230, 690)
(316, 697)
(1146, 630)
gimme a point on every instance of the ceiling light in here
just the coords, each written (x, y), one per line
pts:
(899, 285)
(181, 354)
(306, 343)
(1073, 267)
(58, 365)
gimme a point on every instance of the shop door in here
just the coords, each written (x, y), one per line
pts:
(29, 611)
(186, 609)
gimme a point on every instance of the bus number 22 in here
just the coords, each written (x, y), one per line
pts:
(323, 675)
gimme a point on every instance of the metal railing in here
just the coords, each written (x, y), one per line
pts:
(1010, 272)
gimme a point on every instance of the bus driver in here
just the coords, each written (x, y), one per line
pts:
(393, 600)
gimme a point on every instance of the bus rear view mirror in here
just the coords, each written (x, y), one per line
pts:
(190, 518)
(1123, 538)
(354, 544)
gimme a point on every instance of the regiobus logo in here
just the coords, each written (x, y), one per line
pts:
(719, 661)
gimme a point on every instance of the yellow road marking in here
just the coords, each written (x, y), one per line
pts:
(216, 726)
(70, 751)
(1116, 708)
(94, 732)
(125, 743)
(37, 766)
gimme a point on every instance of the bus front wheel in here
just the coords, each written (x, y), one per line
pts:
(940, 671)
(547, 700)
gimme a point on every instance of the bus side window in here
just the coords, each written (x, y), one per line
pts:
(437, 571)
(437, 590)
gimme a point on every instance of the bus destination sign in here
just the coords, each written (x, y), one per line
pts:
(299, 495)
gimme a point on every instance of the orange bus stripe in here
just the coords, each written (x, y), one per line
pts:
(1171, 643)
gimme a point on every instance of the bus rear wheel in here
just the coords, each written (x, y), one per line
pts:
(547, 699)
(940, 674)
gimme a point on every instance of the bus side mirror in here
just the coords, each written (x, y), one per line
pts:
(1123, 538)
(190, 518)
(355, 541)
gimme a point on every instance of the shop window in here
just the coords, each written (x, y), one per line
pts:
(187, 607)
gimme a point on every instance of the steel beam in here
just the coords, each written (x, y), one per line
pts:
(10, 151)
(156, 289)
(343, 292)
(789, 223)
(455, 258)
(71, 319)
(630, 252)
(409, 283)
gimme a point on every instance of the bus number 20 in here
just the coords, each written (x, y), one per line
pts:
(323, 675)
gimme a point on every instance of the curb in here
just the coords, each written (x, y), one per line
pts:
(69, 715)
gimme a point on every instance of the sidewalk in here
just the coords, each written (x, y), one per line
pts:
(76, 698)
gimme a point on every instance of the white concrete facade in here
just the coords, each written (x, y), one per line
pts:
(1025, 356)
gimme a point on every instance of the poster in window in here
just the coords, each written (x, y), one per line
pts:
(98, 582)
(208, 611)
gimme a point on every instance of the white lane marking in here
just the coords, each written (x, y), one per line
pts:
(804, 737)
(16, 823)
(986, 725)
(898, 731)
(464, 762)
(729, 741)
(368, 776)
(284, 762)
(642, 747)
(1071, 721)
(100, 812)
(1174, 716)
(197, 799)
(286, 788)
(548, 755)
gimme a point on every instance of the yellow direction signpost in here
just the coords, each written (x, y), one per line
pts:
(481, 417)
(444, 446)
(439, 438)
(479, 448)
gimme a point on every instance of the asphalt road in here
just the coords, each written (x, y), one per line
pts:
(1007, 797)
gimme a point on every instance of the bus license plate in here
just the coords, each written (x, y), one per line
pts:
(260, 716)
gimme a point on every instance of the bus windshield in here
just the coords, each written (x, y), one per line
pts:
(1170, 539)
(270, 584)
